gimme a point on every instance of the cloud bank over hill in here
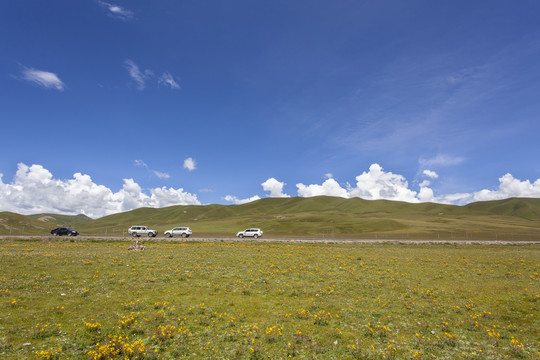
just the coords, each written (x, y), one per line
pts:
(35, 190)
(378, 184)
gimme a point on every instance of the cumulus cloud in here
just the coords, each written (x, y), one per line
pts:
(329, 187)
(190, 164)
(509, 186)
(426, 194)
(137, 75)
(117, 11)
(168, 80)
(374, 184)
(238, 201)
(378, 184)
(42, 78)
(274, 187)
(35, 190)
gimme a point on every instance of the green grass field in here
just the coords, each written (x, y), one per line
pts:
(315, 217)
(246, 300)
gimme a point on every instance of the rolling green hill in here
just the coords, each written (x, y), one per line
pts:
(321, 216)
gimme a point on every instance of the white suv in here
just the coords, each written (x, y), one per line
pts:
(255, 233)
(137, 231)
(179, 231)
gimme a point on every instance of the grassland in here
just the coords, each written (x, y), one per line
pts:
(246, 300)
(316, 217)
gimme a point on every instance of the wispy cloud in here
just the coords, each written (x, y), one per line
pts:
(140, 163)
(42, 78)
(168, 80)
(117, 11)
(137, 75)
(159, 174)
(440, 160)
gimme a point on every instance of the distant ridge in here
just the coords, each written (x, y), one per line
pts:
(527, 208)
(320, 216)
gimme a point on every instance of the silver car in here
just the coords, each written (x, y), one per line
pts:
(182, 231)
(253, 232)
(137, 231)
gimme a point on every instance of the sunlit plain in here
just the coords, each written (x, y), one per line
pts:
(245, 300)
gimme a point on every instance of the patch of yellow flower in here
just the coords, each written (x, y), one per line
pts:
(50, 354)
(116, 346)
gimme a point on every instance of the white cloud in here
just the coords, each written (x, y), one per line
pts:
(34, 190)
(238, 201)
(137, 75)
(329, 187)
(426, 194)
(163, 196)
(190, 164)
(117, 11)
(431, 174)
(42, 78)
(168, 80)
(378, 184)
(274, 187)
(509, 186)
(372, 185)
(328, 175)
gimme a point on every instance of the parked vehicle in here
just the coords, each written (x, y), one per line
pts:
(64, 231)
(182, 231)
(137, 231)
(255, 233)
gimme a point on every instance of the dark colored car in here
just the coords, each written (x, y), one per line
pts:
(64, 231)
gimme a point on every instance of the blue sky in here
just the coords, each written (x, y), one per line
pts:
(109, 106)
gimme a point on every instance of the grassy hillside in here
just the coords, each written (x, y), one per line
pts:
(16, 224)
(321, 216)
(62, 220)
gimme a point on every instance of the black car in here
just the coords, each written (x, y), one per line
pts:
(64, 231)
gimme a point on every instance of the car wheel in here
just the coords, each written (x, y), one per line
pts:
(150, 235)
(184, 235)
(255, 236)
(134, 234)
(241, 236)
(169, 235)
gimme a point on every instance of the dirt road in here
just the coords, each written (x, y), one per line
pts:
(267, 240)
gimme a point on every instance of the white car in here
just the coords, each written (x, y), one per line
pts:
(182, 231)
(255, 233)
(137, 231)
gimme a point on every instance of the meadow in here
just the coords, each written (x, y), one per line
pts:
(247, 300)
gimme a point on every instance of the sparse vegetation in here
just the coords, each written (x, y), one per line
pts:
(246, 300)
